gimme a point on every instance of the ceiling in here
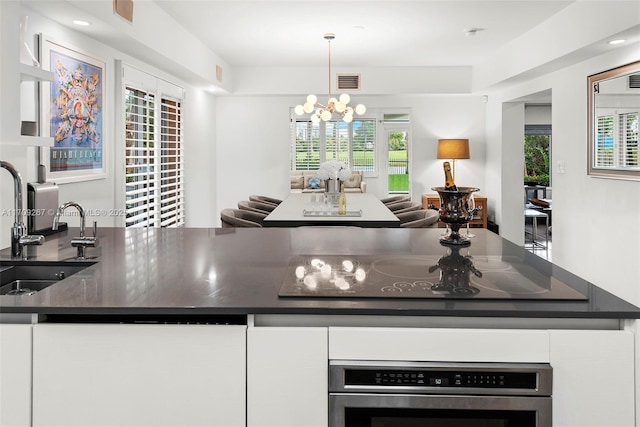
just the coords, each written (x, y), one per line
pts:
(368, 33)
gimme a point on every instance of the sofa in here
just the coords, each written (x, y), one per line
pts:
(302, 182)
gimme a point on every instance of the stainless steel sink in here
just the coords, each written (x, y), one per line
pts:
(27, 278)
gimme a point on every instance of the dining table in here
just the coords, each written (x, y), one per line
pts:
(304, 209)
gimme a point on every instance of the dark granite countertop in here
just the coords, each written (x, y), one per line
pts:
(240, 271)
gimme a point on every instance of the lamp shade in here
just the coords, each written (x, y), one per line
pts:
(453, 149)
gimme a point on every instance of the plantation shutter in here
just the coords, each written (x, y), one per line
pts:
(140, 155)
(306, 146)
(171, 161)
(628, 149)
(154, 151)
(337, 141)
(605, 141)
(352, 143)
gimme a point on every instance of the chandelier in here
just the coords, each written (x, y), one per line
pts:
(340, 106)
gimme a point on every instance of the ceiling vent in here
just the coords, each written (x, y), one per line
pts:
(634, 81)
(348, 81)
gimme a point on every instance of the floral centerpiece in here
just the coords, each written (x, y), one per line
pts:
(334, 169)
(332, 172)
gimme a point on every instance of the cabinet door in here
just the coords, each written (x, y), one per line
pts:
(287, 377)
(138, 375)
(15, 375)
(593, 378)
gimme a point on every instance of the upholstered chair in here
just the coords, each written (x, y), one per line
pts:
(265, 199)
(393, 207)
(419, 218)
(267, 207)
(252, 207)
(408, 209)
(395, 199)
(241, 218)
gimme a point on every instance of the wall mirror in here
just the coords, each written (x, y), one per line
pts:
(613, 105)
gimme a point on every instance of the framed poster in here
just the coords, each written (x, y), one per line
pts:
(72, 112)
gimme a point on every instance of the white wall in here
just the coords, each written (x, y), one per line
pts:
(537, 114)
(100, 194)
(253, 143)
(596, 221)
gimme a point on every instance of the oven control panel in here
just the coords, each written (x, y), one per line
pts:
(440, 378)
(433, 377)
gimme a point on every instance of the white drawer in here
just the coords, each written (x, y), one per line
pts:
(460, 345)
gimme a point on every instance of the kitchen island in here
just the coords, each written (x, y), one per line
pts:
(175, 319)
(240, 272)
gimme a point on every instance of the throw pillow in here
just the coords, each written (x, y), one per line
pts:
(297, 182)
(314, 182)
(353, 181)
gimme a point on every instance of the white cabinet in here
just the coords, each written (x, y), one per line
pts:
(13, 73)
(443, 344)
(139, 375)
(15, 375)
(38, 76)
(287, 377)
(593, 378)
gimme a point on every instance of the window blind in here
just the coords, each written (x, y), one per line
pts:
(628, 149)
(140, 155)
(604, 147)
(617, 140)
(352, 143)
(154, 162)
(171, 161)
(306, 147)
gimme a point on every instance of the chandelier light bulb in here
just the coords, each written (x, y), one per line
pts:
(307, 107)
(347, 118)
(361, 109)
(345, 98)
(333, 101)
(299, 110)
(340, 106)
(315, 118)
(325, 115)
(312, 99)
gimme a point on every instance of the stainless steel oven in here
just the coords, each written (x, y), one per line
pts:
(412, 394)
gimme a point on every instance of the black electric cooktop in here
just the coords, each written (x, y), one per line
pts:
(456, 275)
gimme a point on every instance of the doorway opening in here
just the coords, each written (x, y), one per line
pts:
(537, 179)
(397, 135)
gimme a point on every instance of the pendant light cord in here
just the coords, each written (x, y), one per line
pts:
(329, 40)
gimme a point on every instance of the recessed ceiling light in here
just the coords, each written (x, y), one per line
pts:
(81, 23)
(617, 41)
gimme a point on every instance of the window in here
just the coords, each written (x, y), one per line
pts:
(604, 141)
(154, 172)
(353, 143)
(617, 140)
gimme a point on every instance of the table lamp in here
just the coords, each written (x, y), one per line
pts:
(453, 149)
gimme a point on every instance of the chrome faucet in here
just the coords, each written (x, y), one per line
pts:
(83, 241)
(19, 237)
